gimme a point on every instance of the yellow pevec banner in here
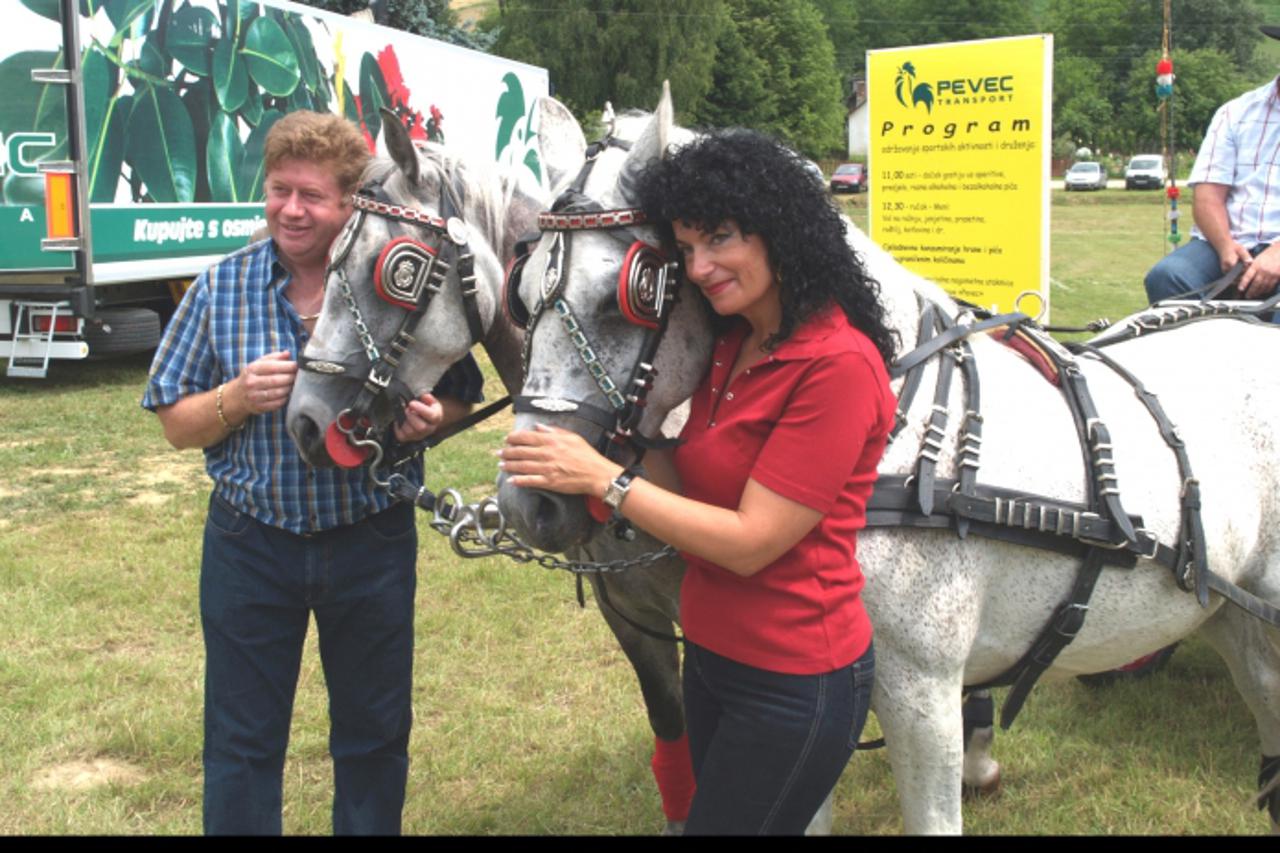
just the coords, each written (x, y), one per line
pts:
(959, 142)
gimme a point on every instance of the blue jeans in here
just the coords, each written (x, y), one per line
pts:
(767, 747)
(258, 585)
(1185, 269)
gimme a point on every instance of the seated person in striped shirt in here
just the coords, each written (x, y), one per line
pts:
(283, 540)
(1236, 209)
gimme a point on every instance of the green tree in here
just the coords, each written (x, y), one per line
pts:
(1205, 79)
(616, 50)
(841, 18)
(892, 23)
(776, 72)
(1119, 36)
(1081, 109)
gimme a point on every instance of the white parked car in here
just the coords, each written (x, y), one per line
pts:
(1145, 171)
(1085, 176)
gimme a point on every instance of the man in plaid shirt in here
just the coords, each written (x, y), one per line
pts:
(1236, 209)
(282, 539)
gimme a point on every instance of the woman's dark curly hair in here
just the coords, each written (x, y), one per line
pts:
(764, 187)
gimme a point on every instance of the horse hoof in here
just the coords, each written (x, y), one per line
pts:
(673, 827)
(982, 790)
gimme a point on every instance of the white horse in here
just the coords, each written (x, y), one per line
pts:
(950, 612)
(498, 208)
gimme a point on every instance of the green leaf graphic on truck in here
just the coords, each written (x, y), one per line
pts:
(179, 99)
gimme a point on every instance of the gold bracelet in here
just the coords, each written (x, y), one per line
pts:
(222, 417)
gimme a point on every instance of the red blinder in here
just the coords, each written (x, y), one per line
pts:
(338, 444)
(598, 510)
(403, 271)
(640, 285)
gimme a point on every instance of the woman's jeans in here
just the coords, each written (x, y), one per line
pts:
(768, 747)
(258, 587)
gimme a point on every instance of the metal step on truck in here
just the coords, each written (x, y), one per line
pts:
(131, 136)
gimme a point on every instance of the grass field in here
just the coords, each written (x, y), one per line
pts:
(528, 719)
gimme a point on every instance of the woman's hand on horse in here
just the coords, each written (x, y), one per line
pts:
(422, 417)
(557, 460)
(265, 383)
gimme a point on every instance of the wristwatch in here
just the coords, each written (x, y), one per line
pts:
(618, 489)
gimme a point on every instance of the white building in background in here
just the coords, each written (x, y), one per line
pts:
(856, 124)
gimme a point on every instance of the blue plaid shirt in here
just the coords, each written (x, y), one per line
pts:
(236, 312)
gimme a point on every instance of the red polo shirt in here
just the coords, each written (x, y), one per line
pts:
(809, 422)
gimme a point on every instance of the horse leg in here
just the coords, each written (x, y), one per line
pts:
(918, 713)
(981, 774)
(1252, 652)
(657, 665)
(822, 819)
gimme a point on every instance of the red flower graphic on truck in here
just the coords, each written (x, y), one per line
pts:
(398, 94)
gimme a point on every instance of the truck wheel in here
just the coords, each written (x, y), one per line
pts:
(118, 331)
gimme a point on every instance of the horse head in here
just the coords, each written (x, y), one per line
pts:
(414, 281)
(598, 296)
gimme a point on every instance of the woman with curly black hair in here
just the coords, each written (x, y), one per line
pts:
(766, 493)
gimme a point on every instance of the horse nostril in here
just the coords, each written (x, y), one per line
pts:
(546, 514)
(309, 436)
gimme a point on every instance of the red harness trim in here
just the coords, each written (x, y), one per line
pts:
(1029, 350)
(399, 211)
(548, 221)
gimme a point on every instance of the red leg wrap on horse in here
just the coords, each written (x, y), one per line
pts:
(673, 771)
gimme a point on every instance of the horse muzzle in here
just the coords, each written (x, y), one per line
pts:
(545, 520)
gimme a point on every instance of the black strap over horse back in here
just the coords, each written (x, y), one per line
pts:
(1099, 532)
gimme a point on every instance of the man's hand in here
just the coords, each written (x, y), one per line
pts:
(1233, 253)
(1261, 274)
(422, 417)
(264, 384)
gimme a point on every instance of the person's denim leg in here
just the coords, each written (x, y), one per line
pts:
(768, 747)
(1188, 267)
(254, 623)
(365, 624)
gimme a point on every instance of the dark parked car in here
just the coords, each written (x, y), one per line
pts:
(849, 178)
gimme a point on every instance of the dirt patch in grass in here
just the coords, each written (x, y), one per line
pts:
(83, 774)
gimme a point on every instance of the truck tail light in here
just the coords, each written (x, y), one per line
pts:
(61, 324)
(60, 205)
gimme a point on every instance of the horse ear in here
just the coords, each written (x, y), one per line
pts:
(665, 118)
(560, 141)
(399, 146)
(651, 145)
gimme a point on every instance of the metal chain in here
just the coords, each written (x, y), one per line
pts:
(479, 530)
(587, 353)
(362, 331)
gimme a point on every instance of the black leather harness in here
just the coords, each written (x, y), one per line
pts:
(427, 267)
(1098, 531)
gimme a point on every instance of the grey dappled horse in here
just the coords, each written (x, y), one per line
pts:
(950, 612)
(498, 208)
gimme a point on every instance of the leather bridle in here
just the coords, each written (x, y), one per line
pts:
(409, 274)
(648, 291)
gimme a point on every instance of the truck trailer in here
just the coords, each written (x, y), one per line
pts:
(131, 137)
